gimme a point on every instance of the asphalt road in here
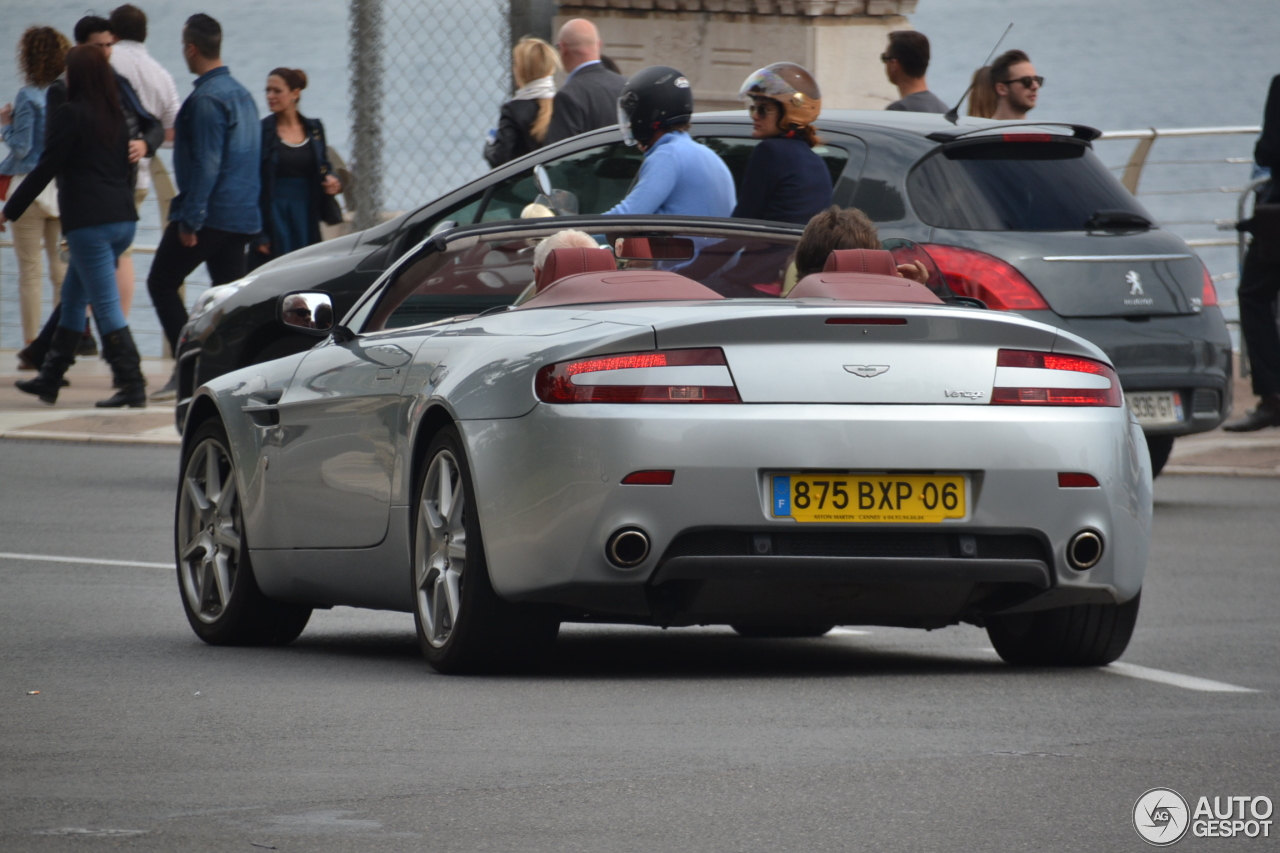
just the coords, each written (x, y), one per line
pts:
(143, 738)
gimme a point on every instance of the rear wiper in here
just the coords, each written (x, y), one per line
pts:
(1116, 220)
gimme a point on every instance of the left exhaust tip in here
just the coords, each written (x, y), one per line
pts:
(627, 548)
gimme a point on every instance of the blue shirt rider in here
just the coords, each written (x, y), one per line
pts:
(679, 176)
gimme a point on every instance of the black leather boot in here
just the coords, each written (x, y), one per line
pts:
(61, 355)
(1266, 415)
(126, 367)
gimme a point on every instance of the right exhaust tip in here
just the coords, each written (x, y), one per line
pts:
(1084, 550)
(627, 548)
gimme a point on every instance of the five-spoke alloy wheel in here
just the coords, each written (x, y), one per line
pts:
(463, 625)
(223, 602)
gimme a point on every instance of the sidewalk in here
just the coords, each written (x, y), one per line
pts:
(74, 418)
(22, 416)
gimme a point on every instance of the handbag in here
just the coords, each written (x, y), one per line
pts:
(330, 210)
(4, 186)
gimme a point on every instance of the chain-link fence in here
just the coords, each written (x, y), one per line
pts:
(428, 79)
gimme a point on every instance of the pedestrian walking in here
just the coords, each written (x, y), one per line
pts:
(42, 54)
(145, 136)
(678, 176)
(216, 158)
(1260, 278)
(298, 184)
(906, 60)
(1016, 86)
(982, 94)
(525, 119)
(785, 181)
(158, 94)
(589, 97)
(88, 151)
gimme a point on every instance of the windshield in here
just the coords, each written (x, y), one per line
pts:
(469, 278)
(1016, 186)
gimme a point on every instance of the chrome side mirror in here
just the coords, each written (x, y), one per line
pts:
(542, 179)
(309, 312)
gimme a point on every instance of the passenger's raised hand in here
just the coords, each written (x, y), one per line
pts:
(914, 271)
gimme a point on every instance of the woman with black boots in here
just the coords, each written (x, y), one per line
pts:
(88, 151)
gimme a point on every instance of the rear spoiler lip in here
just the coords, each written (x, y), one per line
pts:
(1078, 131)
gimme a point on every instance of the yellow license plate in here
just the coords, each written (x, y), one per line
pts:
(879, 498)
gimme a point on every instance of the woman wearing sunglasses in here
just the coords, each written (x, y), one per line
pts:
(785, 180)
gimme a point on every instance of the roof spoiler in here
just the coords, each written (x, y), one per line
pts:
(1079, 131)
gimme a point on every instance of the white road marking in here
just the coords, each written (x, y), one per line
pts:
(846, 632)
(1177, 679)
(44, 558)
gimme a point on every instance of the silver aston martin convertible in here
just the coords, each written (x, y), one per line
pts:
(666, 429)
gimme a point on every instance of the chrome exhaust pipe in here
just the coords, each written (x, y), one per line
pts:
(627, 548)
(1084, 550)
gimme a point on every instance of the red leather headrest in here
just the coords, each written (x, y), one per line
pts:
(565, 262)
(873, 261)
(862, 288)
(621, 286)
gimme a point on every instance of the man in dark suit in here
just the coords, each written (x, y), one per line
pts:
(589, 97)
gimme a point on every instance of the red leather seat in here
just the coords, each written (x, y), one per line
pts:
(872, 261)
(621, 286)
(566, 262)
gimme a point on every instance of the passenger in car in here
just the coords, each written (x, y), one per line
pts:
(679, 176)
(785, 180)
(840, 228)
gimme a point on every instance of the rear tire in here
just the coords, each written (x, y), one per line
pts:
(1159, 446)
(463, 626)
(215, 576)
(781, 632)
(1079, 635)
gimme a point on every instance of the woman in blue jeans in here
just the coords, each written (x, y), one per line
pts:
(87, 150)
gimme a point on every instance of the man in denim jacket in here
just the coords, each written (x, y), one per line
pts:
(215, 158)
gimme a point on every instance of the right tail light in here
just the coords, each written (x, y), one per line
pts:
(1044, 379)
(1209, 293)
(986, 277)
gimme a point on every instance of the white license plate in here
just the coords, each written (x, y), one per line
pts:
(1153, 408)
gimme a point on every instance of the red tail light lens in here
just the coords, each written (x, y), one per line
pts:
(1209, 294)
(986, 277)
(866, 321)
(1044, 379)
(1068, 480)
(1027, 137)
(663, 376)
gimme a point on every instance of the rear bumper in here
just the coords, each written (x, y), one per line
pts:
(549, 496)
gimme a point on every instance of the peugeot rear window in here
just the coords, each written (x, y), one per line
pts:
(1015, 186)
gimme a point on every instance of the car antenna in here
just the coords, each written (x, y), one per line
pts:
(953, 114)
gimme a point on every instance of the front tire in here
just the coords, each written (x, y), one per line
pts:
(463, 626)
(215, 576)
(1078, 635)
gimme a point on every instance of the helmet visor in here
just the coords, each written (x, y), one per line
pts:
(624, 124)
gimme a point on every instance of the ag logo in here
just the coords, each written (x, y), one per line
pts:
(1161, 817)
(1135, 283)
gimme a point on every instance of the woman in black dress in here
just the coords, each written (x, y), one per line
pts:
(297, 179)
(523, 123)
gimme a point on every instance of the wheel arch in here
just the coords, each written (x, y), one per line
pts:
(201, 409)
(434, 419)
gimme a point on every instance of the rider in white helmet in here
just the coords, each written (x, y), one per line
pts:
(785, 180)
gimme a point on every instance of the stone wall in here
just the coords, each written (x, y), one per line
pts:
(717, 43)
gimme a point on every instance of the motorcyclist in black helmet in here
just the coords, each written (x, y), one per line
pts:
(785, 180)
(678, 176)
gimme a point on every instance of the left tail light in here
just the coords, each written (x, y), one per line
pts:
(986, 277)
(1045, 379)
(660, 376)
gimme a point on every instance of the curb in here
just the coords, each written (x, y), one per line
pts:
(1214, 471)
(90, 438)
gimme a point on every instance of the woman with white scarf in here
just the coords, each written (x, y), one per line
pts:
(523, 123)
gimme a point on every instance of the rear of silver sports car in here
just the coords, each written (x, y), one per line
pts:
(820, 464)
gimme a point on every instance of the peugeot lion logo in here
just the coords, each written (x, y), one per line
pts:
(1135, 283)
(866, 370)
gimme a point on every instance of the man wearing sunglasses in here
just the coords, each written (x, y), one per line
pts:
(1016, 85)
(905, 61)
